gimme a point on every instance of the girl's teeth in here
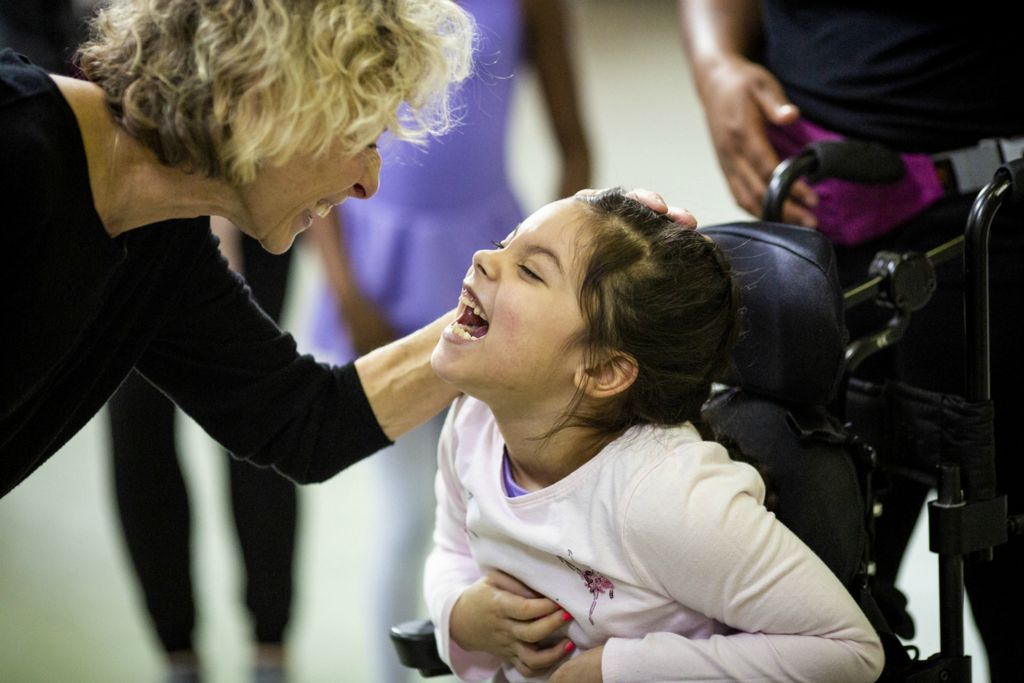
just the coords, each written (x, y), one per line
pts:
(461, 332)
(470, 303)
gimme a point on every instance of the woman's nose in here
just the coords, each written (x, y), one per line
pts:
(369, 180)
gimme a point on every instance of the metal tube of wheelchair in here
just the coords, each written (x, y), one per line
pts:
(951, 572)
(783, 177)
(976, 238)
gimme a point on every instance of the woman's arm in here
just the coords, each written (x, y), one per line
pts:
(402, 389)
(714, 548)
(400, 385)
(230, 367)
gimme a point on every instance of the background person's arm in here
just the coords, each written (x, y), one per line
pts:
(720, 40)
(548, 39)
(368, 326)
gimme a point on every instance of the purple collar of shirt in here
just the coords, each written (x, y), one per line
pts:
(512, 489)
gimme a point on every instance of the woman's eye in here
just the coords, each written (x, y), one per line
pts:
(530, 274)
(498, 245)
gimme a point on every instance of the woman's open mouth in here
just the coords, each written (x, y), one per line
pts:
(304, 221)
(471, 324)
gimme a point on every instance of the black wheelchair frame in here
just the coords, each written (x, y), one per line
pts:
(967, 520)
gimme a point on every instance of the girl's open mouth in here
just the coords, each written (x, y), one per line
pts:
(471, 323)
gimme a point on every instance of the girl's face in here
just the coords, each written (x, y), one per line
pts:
(283, 200)
(512, 342)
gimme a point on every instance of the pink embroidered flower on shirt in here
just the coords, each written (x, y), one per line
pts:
(596, 583)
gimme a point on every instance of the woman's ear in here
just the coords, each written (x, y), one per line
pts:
(610, 376)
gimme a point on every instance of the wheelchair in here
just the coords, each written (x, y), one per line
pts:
(786, 402)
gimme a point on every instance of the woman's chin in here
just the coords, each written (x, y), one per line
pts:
(279, 241)
(275, 245)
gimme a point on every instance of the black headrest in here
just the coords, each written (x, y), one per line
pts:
(793, 337)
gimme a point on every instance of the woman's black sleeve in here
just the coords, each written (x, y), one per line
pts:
(233, 370)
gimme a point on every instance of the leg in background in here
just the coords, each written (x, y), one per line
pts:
(153, 508)
(264, 503)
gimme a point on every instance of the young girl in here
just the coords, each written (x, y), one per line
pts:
(585, 344)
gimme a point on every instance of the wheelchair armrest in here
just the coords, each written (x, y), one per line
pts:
(417, 648)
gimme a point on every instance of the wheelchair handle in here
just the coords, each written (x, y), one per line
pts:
(1008, 183)
(853, 160)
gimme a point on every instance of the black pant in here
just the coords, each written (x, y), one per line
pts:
(931, 356)
(154, 508)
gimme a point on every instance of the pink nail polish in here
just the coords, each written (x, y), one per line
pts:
(566, 616)
(569, 647)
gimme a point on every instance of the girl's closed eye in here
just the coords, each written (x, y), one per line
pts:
(530, 274)
(523, 269)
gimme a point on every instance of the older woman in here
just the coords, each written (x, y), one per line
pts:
(265, 112)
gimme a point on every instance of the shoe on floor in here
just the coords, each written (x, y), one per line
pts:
(268, 673)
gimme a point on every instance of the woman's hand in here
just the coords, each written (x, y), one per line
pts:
(583, 668)
(653, 201)
(503, 617)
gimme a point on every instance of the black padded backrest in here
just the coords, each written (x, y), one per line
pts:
(793, 337)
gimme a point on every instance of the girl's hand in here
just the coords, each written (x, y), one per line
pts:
(505, 618)
(584, 668)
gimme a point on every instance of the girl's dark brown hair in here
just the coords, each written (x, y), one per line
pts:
(662, 293)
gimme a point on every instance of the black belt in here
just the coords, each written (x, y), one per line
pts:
(968, 169)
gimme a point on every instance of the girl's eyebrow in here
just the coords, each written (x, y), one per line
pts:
(544, 251)
(539, 250)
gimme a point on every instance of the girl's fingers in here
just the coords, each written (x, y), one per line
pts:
(537, 660)
(539, 629)
(526, 609)
(505, 582)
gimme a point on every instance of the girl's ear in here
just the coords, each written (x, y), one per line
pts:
(612, 375)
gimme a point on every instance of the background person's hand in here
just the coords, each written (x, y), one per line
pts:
(740, 98)
(505, 618)
(366, 323)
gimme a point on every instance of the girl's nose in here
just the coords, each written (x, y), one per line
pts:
(485, 262)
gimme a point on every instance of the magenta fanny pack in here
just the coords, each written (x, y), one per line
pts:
(852, 213)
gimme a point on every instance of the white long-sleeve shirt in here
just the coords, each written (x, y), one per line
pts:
(661, 550)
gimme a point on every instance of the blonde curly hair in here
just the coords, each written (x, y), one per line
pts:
(225, 86)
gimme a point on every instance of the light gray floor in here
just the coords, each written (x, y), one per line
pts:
(69, 609)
